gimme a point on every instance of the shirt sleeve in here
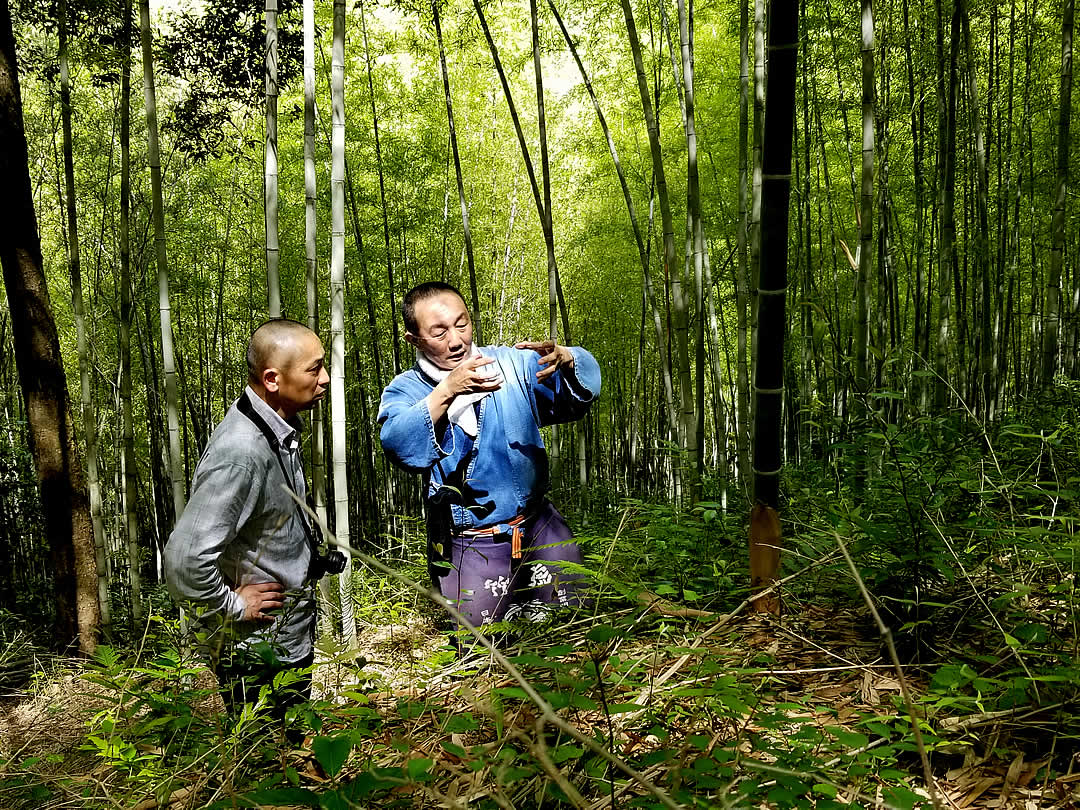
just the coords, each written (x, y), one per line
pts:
(407, 433)
(568, 393)
(223, 497)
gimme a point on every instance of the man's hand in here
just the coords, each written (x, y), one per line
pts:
(464, 379)
(552, 356)
(260, 597)
(468, 379)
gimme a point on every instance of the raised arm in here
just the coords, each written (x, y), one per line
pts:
(466, 379)
(565, 383)
(412, 414)
(407, 430)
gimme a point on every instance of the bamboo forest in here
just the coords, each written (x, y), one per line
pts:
(771, 501)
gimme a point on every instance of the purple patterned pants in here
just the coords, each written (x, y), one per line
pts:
(486, 585)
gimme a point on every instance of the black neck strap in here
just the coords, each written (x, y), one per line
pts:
(243, 404)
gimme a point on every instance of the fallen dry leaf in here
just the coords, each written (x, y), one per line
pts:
(978, 790)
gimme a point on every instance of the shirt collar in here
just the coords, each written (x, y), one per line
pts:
(288, 434)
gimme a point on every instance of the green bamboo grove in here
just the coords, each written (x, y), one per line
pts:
(900, 244)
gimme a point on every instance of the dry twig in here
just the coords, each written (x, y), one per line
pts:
(886, 635)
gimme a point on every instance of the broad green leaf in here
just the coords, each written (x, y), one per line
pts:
(419, 767)
(849, 739)
(602, 634)
(331, 752)
(565, 752)
(902, 798)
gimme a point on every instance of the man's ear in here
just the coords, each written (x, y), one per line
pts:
(412, 339)
(269, 379)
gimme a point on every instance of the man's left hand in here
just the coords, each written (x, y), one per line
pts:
(552, 356)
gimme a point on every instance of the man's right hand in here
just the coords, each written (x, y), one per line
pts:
(468, 379)
(465, 379)
(260, 597)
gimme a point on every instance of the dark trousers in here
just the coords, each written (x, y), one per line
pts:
(243, 675)
(482, 580)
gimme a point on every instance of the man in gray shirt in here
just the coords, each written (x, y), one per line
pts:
(240, 553)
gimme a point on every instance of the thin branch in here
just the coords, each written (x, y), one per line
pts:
(886, 635)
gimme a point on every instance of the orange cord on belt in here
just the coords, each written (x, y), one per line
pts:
(515, 534)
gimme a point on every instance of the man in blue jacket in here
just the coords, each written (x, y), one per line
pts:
(468, 420)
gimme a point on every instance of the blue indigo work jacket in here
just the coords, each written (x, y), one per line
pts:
(503, 472)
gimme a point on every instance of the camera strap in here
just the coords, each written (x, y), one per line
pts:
(243, 404)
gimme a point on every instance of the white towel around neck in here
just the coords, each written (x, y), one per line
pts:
(461, 411)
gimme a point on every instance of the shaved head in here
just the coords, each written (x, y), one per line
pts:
(276, 344)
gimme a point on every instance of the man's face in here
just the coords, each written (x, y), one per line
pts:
(302, 378)
(444, 330)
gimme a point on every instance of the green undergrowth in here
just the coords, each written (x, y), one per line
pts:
(716, 733)
(665, 690)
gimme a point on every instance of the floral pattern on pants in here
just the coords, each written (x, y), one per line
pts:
(486, 586)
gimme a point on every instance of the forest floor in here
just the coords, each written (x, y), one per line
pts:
(820, 673)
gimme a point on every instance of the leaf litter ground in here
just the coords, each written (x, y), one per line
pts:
(715, 710)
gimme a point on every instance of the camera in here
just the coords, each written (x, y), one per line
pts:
(325, 564)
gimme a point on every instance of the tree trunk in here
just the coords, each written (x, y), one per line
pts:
(676, 73)
(64, 501)
(916, 105)
(718, 382)
(79, 308)
(316, 439)
(866, 210)
(130, 488)
(742, 268)
(369, 300)
(653, 129)
(642, 252)
(776, 191)
(337, 317)
(1052, 307)
(1005, 242)
(546, 221)
(466, 230)
(176, 458)
(986, 384)
(692, 412)
(554, 287)
(543, 203)
(545, 177)
(270, 190)
(755, 199)
(947, 214)
(382, 196)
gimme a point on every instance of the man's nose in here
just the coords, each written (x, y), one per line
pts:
(324, 378)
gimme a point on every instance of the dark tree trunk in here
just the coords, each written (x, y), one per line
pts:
(65, 504)
(947, 229)
(1052, 308)
(79, 309)
(779, 125)
(772, 292)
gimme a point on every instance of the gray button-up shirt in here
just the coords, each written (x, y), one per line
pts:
(239, 527)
